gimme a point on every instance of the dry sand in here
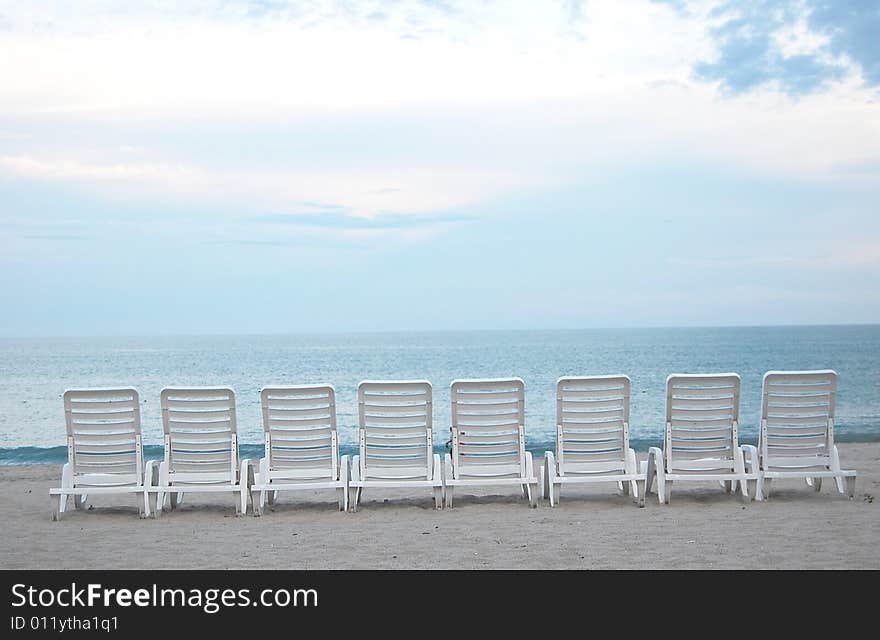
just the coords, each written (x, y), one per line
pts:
(596, 528)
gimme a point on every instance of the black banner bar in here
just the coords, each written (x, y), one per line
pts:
(125, 603)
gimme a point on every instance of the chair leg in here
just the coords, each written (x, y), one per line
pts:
(355, 477)
(271, 496)
(450, 494)
(555, 492)
(851, 486)
(752, 489)
(542, 480)
(739, 468)
(62, 507)
(746, 490)
(656, 467)
(839, 479)
(258, 498)
(79, 502)
(650, 471)
(164, 488)
(152, 484)
(345, 479)
(817, 484)
(438, 473)
(765, 487)
(246, 481)
(66, 483)
(632, 468)
(241, 505)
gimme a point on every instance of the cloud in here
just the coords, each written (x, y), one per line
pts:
(348, 221)
(842, 255)
(364, 193)
(679, 6)
(294, 58)
(55, 237)
(869, 167)
(64, 169)
(799, 46)
(853, 27)
(281, 59)
(313, 102)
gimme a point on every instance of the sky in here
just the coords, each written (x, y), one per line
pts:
(263, 166)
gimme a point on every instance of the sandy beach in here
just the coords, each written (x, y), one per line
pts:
(597, 528)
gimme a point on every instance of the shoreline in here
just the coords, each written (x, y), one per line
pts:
(595, 528)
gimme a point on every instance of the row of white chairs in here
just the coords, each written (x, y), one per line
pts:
(396, 441)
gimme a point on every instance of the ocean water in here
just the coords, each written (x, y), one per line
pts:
(35, 372)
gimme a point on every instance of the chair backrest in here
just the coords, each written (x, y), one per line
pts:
(201, 440)
(299, 424)
(104, 435)
(396, 429)
(797, 415)
(488, 427)
(702, 419)
(592, 423)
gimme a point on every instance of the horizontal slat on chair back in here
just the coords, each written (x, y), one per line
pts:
(702, 415)
(487, 416)
(396, 420)
(592, 418)
(104, 429)
(797, 415)
(200, 430)
(300, 427)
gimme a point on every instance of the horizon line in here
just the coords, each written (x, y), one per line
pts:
(312, 332)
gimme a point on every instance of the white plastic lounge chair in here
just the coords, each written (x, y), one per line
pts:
(797, 430)
(395, 439)
(201, 448)
(104, 451)
(701, 442)
(488, 437)
(302, 451)
(592, 437)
